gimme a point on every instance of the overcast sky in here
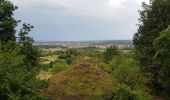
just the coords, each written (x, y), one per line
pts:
(65, 20)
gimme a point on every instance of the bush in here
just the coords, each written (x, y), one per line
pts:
(69, 55)
(64, 56)
(128, 81)
(16, 82)
(124, 93)
(69, 60)
(120, 92)
(126, 71)
(59, 66)
(110, 53)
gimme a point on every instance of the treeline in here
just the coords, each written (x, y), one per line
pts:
(152, 42)
(18, 59)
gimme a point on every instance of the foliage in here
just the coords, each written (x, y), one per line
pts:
(123, 93)
(31, 52)
(127, 78)
(69, 55)
(7, 22)
(125, 70)
(17, 60)
(110, 53)
(91, 56)
(59, 66)
(162, 43)
(15, 81)
(153, 19)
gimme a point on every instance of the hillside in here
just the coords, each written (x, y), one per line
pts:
(83, 81)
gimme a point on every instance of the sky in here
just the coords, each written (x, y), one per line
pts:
(79, 20)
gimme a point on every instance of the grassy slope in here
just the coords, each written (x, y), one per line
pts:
(83, 81)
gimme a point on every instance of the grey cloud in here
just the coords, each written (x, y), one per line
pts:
(51, 7)
(79, 19)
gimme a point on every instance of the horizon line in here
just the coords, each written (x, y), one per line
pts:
(82, 40)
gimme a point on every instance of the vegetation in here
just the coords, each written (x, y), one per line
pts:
(18, 61)
(150, 43)
(26, 73)
(84, 80)
(59, 66)
(127, 79)
(162, 57)
(110, 53)
(8, 23)
(68, 55)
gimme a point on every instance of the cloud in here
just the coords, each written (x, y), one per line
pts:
(91, 8)
(80, 19)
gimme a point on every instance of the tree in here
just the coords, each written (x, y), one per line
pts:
(17, 60)
(153, 18)
(27, 48)
(110, 53)
(162, 44)
(16, 83)
(7, 22)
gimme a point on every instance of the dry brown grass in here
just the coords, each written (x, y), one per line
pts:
(81, 82)
(44, 75)
(48, 59)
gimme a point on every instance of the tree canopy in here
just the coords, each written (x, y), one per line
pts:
(162, 44)
(7, 22)
(154, 18)
(18, 59)
(151, 44)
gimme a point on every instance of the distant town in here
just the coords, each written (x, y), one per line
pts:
(53, 46)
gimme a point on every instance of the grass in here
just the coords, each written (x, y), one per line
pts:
(56, 67)
(44, 75)
(59, 66)
(86, 79)
(83, 81)
(46, 60)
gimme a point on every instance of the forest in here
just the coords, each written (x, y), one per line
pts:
(141, 73)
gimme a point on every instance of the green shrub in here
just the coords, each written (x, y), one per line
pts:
(126, 71)
(43, 83)
(64, 56)
(120, 92)
(16, 81)
(59, 66)
(69, 60)
(128, 81)
(69, 55)
(124, 93)
(110, 53)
